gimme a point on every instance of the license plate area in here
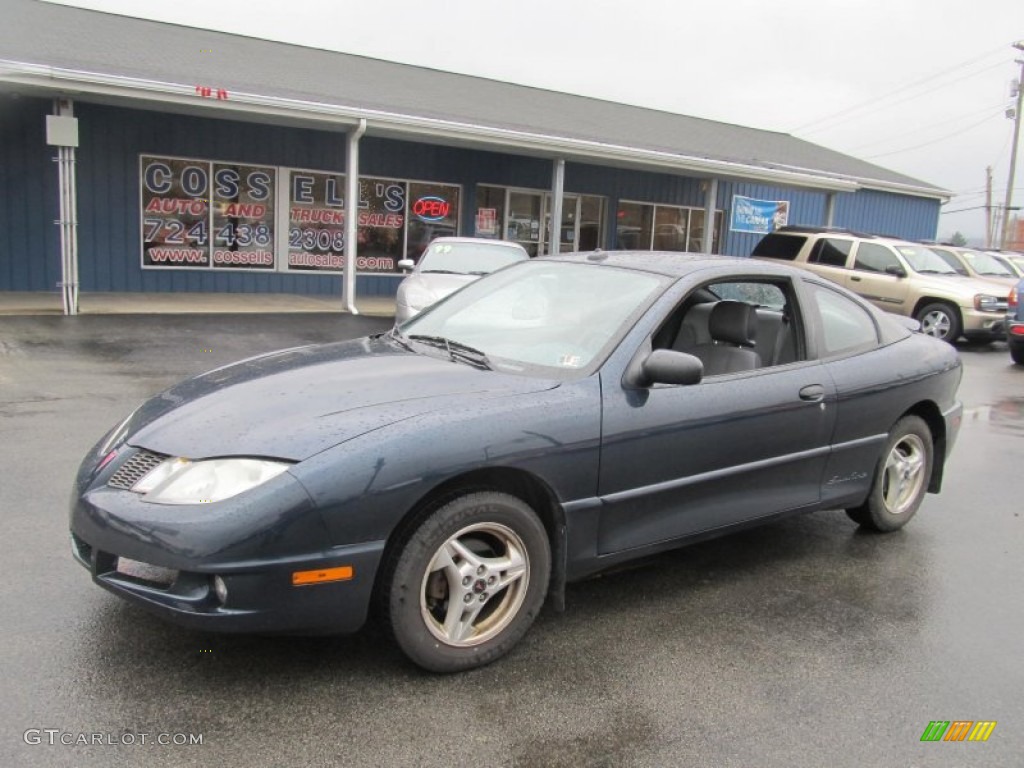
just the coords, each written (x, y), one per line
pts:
(145, 572)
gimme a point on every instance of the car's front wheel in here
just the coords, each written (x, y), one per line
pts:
(901, 477)
(469, 582)
(940, 320)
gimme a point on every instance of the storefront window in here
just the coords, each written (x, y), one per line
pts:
(633, 226)
(670, 228)
(316, 221)
(591, 223)
(490, 211)
(523, 224)
(433, 212)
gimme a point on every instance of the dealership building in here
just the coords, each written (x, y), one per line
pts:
(138, 156)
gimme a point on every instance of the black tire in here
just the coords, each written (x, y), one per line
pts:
(1017, 353)
(940, 320)
(498, 564)
(901, 477)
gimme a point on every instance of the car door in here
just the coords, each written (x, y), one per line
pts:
(871, 280)
(681, 460)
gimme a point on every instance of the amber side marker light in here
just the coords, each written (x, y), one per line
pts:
(322, 575)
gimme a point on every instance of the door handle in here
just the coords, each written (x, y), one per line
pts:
(854, 278)
(812, 392)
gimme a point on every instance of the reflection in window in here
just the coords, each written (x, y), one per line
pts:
(846, 326)
(633, 226)
(872, 257)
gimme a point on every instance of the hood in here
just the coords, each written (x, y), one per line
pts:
(965, 288)
(295, 403)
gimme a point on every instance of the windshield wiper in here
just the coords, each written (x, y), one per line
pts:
(396, 336)
(456, 350)
(441, 271)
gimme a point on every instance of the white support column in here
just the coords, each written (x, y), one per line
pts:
(352, 214)
(62, 132)
(557, 190)
(709, 216)
(830, 209)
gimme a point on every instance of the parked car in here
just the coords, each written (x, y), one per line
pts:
(1011, 260)
(1015, 324)
(549, 421)
(897, 276)
(448, 264)
(971, 263)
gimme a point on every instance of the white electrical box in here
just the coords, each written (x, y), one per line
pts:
(61, 131)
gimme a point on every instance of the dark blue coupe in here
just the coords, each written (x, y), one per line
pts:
(556, 418)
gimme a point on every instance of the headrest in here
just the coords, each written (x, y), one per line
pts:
(733, 322)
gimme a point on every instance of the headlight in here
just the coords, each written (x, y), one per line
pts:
(180, 481)
(986, 303)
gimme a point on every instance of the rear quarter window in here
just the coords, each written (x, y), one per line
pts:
(776, 246)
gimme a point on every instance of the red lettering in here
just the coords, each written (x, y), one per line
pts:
(176, 205)
(245, 210)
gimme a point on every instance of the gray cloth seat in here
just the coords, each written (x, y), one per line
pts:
(733, 329)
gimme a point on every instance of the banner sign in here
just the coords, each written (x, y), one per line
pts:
(758, 216)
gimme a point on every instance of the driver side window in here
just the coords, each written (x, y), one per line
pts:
(734, 326)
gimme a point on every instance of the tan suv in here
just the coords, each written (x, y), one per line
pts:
(898, 276)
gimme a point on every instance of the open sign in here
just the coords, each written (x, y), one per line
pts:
(431, 208)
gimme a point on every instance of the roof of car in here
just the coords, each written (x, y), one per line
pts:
(150, 58)
(669, 263)
(478, 241)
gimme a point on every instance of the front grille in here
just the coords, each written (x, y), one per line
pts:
(133, 470)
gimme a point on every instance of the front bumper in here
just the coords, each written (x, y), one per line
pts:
(260, 595)
(983, 325)
(165, 559)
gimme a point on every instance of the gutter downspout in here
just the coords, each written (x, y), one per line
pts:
(557, 190)
(709, 216)
(352, 214)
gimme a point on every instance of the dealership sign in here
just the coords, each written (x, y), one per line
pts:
(206, 214)
(758, 216)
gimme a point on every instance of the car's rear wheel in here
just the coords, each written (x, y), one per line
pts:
(901, 477)
(468, 582)
(939, 320)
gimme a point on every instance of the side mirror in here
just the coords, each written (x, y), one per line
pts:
(667, 366)
(406, 264)
(893, 269)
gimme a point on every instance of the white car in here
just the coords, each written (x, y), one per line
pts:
(446, 265)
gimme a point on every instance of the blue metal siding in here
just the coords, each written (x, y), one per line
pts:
(885, 213)
(29, 199)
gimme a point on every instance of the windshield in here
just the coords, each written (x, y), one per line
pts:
(541, 317)
(986, 264)
(469, 258)
(925, 260)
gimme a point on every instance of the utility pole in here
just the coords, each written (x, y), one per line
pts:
(988, 206)
(1013, 151)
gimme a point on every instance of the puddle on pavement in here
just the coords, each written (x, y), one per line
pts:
(1006, 415)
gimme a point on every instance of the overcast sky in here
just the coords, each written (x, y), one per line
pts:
(918, 86)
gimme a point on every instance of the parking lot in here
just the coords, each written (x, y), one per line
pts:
(803, 643)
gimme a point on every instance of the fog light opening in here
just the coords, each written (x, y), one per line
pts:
(221, 589)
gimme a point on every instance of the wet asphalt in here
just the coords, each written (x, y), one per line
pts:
(803, 643)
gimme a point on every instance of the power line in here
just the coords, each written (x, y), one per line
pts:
(1001, 105)
(935, 141)
(901, 89)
